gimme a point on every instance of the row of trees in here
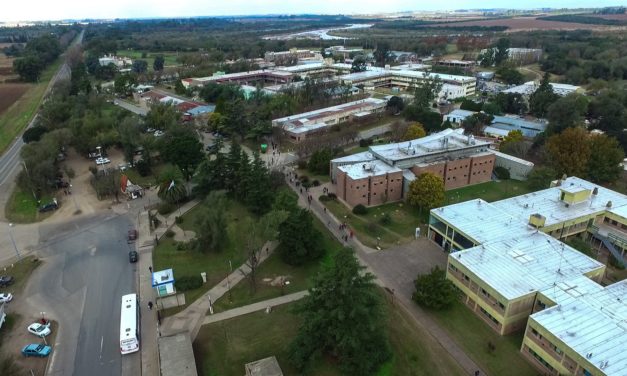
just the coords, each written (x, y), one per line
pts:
(37, 55)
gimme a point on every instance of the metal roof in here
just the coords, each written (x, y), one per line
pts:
(353, 107)
(366, 169)
(521, 264)
(547, 202)
(593, 323)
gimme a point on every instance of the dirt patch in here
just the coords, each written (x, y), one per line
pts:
(527, 23)
(10, 93)
(19, 337)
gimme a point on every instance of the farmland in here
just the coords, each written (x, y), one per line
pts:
(527, 23)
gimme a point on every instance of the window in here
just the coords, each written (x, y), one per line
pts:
(484, 292)
(466, 277)
(544, 362)
(502, 306)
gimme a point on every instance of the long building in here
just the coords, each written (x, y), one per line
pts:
(384, 172)
(513, 271)
(299, 127)
(501, 125)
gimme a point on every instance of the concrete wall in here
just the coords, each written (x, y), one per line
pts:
(517, 170)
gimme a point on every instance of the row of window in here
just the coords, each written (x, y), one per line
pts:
(487, 295)
(488, 315)
(540, 359)
(551, 345)
(615, 223)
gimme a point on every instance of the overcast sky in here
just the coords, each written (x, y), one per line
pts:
(24, 10)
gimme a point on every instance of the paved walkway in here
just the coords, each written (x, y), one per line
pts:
(191, 319)
(259, 306)
(149, 326)
(386, 277)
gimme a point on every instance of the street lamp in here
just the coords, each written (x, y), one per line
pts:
(74, 199)
(17, 252)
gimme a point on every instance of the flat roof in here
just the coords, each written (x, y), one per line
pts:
(373, 72)
(366, 169)
(482, 221)
(327, 111)
(620, 211)
(547, 202)
(520, 264)
(592, 323)
(460, 113)
(498, 154)
(358, 157)
(176, 355)
(444, 141)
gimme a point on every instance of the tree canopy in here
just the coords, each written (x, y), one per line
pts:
(569, 151)
(343, 317)
(300, 240)
(180, 146)
(434, 291)
(414, 131)
(426, 192)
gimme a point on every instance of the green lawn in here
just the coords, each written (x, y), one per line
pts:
(15, 119)
(490, 191)
(321, 178)
(192, 262)
(22, 207)
(169, 57)
(299, 277)
(473, 335)
(20, 271)
(223, 348)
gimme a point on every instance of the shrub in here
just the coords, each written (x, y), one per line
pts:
(304, 179)
(385, 219)
(188, 282)
(501, 172)
(315, 183)
(93, 170)
(178, 220)
(181, 246)
(365, 142)
(332, 196)
(302, 164)
(360, 210)
(306, 184)
(169, 234)
(165, 208)
(324, 198)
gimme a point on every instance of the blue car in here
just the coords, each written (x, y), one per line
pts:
(36, 349)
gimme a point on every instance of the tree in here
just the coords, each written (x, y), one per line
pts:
(162, 116)
(434, 291)
(501, 52)
(319, 161)
(414, 131)
(255, 186)
(510, 75)
(285, 200)
(426, 92)
(542, 98)
(476, 122)
(511, 103)
(171, 186)
(382, 53)
(139, 66)
(486, 59)
(29, 68)
(492, 109)
(342, 317)
(213, 223)
(129, 133)
(605, 156)
(567, 112)
(395, 105)
(33, 134)
(398, 129)
(514, 144)
(300, 239)
(540, 177)
(426, 192)
(569, 152)
(470, 105)
(179, 88)
(158, 63)
(359, 64)
(181, 147)
(123, 84)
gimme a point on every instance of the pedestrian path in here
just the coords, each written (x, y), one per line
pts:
(259, 306)
(191, 319)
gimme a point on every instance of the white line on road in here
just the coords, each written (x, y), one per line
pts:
(101, 343)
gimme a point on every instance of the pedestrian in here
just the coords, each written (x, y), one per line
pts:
(325, 209)
(301, 190)
(477, 373)
(150, 269)
(150, 306)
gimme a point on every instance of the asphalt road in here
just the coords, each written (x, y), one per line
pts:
(85, 273)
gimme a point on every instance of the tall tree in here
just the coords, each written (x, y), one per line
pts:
(541, 177)
(514, 144)
(300, 240)
(359, 64)
(181, 147)
(158, 63)
(29, 68)
(343, 317)
(414, 131)
(605, 156)
(476, 122)
(213, 222)
(501, 52)
(258, 194)
(382, 53)
(567, 112)
(162, 116)
(569, 152)
(426, 192)
(171, 186)
(542, 98)
(434, 291)
(139, 66)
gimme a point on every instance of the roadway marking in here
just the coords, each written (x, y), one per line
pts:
(93, 253)
(101, 343)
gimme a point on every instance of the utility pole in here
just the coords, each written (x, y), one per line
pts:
(17, 252)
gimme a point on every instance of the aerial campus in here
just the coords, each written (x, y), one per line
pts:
(354, 188)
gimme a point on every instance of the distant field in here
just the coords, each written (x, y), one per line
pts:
(10, 93)
(526, 23)
(620, 17)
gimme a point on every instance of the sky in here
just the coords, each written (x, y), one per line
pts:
(38, 10)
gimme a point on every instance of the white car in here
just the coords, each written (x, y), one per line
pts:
(5, 297)
(40, 330)
(158, 133)
(101, 161)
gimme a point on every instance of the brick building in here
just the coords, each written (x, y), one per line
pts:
(383, 173)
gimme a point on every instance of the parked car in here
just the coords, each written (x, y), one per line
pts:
(36, 349)
(54, 205)
(6, 280)
(132, 234)
(133, 256)
(158, 133)
(101, 161)
(39, 329)
(5, 297)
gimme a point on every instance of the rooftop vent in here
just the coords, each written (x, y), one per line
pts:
(537, 220)
(609, 204)
(595, 191)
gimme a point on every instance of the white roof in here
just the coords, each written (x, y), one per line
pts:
(593, 323)
(496, 131)
(460, 113)
(373, 168)
(498, 154)
(304, 128)
(358, 157)
(547, 202)
(521, 264)
(529, 87)
(373, 72)
(356, 106)
(620, 211)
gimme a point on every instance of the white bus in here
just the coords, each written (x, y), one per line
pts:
(129, 324)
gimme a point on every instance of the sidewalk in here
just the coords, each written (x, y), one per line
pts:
(259, 306)
(149, 326)
(421, 318)
(191, 319)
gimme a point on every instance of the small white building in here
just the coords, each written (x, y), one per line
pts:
(530, 87)
(119, 62)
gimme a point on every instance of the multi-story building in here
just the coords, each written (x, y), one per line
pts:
(271, 56)
(578, 328)
(459, 160)
(299, 127)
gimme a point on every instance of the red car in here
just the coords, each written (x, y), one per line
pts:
(132, 235)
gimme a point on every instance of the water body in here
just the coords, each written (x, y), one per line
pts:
(318, 34)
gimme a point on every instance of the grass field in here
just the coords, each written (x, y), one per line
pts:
(272, 269)
(473, 335)
(22, 207)
(223, 348)
(169, 57)
(15, 119)
(20, 271)
(405, 218)
(193, 262)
